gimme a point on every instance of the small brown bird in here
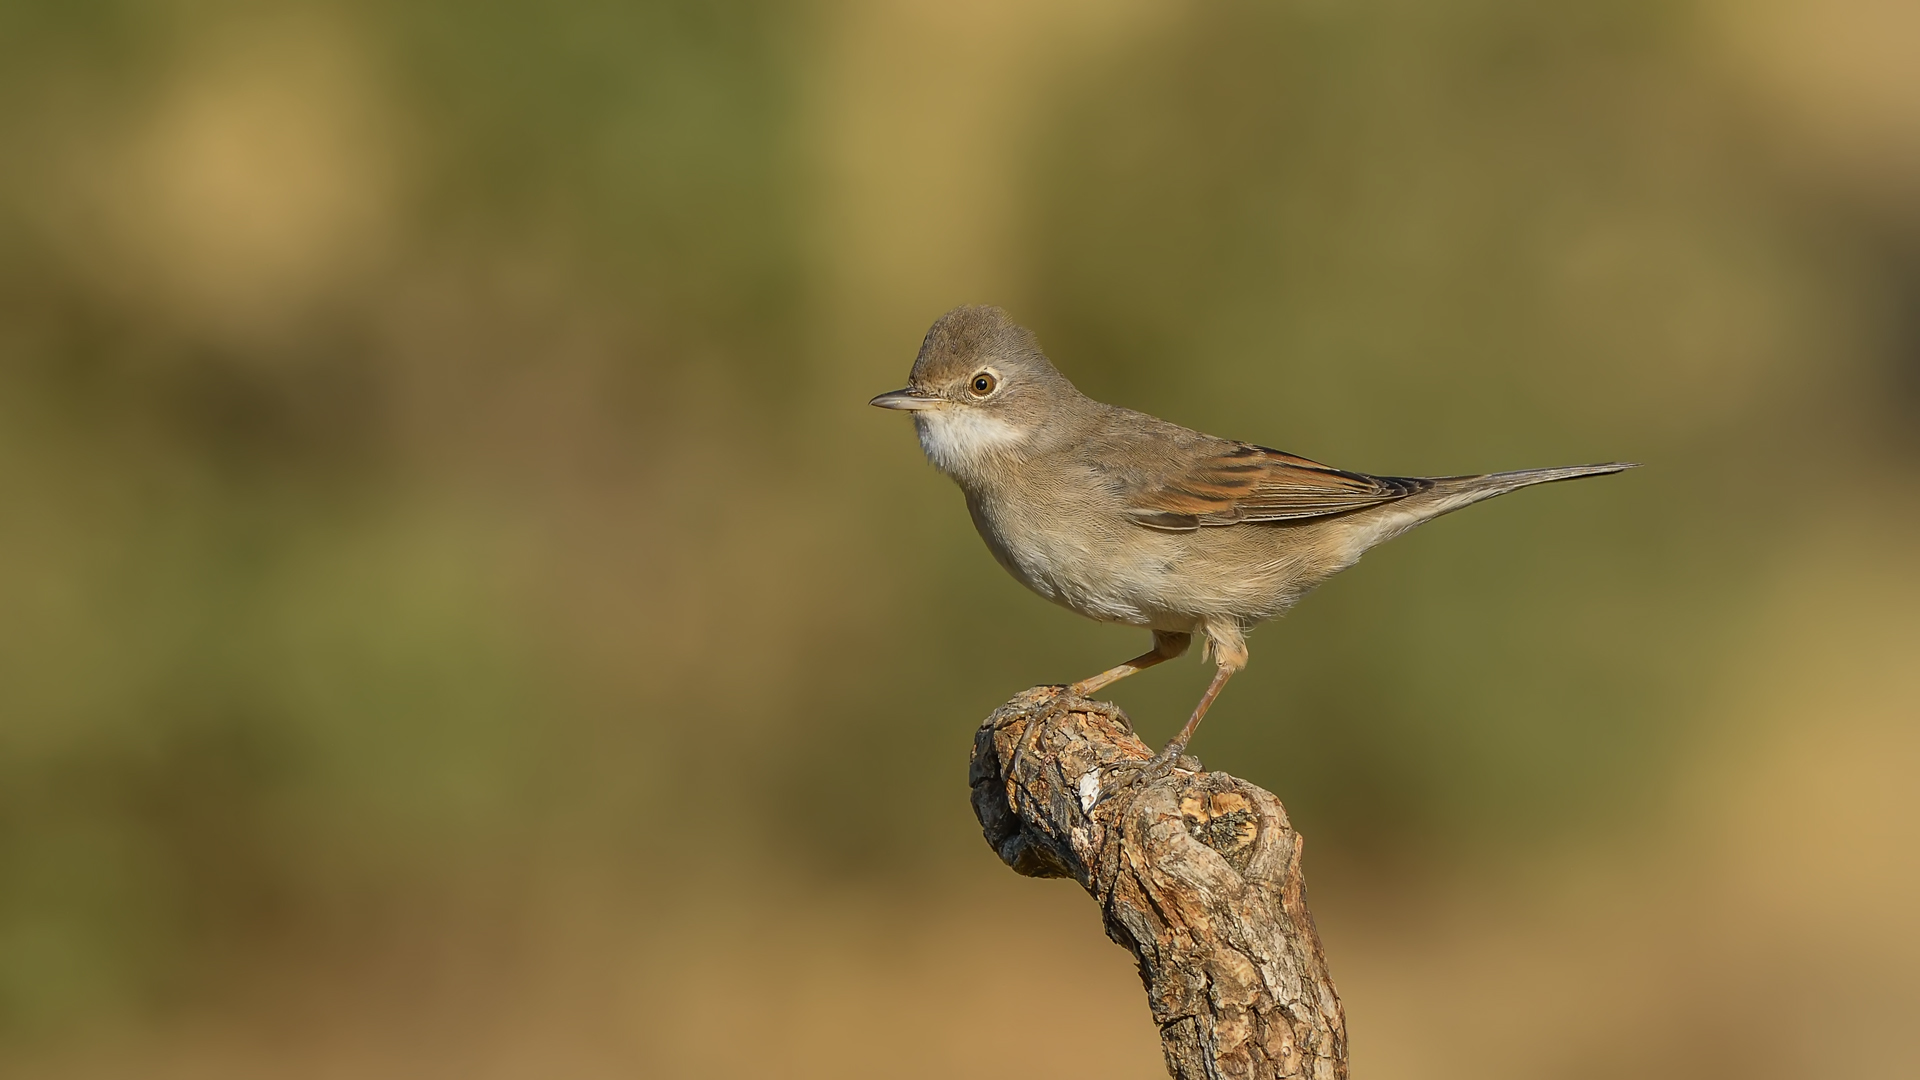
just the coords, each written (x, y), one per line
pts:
(1126, 518)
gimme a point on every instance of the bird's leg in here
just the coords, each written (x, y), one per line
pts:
(1179, 744)
(1166, 646)
(1229, 646)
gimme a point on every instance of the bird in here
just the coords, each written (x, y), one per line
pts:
(1126, 518)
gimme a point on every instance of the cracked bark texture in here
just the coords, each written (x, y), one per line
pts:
(1197, 874)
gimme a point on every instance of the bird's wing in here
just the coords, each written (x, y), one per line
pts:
(1232, 483)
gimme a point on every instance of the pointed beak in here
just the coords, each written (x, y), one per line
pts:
(909, 399)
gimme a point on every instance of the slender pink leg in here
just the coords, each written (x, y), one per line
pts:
(1179, 744)
(1165, 648)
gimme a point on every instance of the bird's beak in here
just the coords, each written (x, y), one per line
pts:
(909, 399)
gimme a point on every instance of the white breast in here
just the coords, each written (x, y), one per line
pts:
(958, 439)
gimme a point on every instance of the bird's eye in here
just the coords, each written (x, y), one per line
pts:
(983, 384)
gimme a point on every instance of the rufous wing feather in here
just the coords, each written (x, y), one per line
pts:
(1247, 483)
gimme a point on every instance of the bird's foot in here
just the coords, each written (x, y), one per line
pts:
(1166, 761)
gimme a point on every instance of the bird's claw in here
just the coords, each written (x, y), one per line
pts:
(1164, 763)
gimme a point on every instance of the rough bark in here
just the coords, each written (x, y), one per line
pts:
(1197, 874)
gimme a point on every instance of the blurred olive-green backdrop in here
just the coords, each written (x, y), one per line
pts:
(458, 615)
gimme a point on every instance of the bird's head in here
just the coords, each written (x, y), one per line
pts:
(981, 390)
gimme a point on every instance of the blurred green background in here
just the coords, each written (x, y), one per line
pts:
(461, 617)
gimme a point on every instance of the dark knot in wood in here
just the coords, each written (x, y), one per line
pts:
(1197, 874)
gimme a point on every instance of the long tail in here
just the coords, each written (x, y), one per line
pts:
(1445, 494)
(1491, 484)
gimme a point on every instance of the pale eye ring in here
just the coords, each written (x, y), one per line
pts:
(983, 384)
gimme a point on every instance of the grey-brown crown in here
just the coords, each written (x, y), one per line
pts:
(966, 338)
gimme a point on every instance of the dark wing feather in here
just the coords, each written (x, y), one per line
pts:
(1246, 483)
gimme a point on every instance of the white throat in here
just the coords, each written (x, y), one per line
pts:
(959, 440)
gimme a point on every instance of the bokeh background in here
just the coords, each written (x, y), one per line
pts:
(458, 616)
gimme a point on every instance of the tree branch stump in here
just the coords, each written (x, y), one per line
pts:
(1197, 874)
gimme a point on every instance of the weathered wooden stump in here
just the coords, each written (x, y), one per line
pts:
(1197, 874)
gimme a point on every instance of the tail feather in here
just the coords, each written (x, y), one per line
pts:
(1502, 482)
(1450, 493)
(1445, 494)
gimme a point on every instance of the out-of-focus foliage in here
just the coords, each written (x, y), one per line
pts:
(439, 487)
(297, 305)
